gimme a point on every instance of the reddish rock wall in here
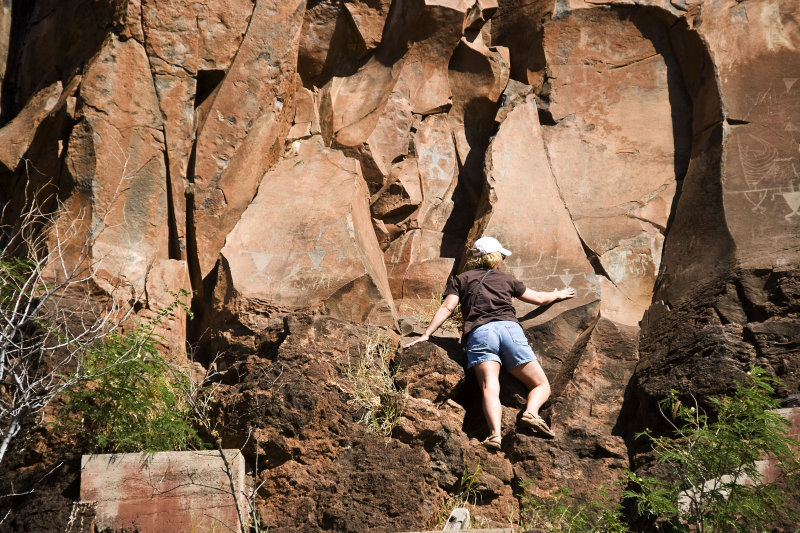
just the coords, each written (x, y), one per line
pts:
(312, 168)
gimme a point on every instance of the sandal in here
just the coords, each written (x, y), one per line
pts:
(492, 442)
(537, 424)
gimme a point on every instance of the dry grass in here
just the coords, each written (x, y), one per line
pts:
(423, 312)
(375, 392)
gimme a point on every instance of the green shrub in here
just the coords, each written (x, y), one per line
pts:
(709, 458)
(467, 494)
(134, 400)
(561, 512)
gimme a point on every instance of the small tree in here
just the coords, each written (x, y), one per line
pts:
(715, 484)
(47, 316)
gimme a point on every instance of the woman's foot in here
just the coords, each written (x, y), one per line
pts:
(537, 424)
(492, 442)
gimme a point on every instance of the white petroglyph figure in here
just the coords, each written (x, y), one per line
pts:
(757, 159)
(792, 198)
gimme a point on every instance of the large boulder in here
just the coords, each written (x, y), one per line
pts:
(325, 257)
(50, 41)
(729, 286)
(190, 46)
(195, 36)
(761, 99)
(368, 18)
(478, 76)
(420, 260)
(389, 141)
(17, 135)
(419, 37)
(425, 71)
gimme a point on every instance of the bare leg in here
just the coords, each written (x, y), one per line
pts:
(532, 376)
(488, 375)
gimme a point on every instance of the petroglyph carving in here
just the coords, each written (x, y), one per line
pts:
(792, 197)
(757, 158)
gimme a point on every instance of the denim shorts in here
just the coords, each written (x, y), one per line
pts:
(502, 341)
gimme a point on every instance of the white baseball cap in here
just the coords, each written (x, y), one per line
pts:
(488, 245)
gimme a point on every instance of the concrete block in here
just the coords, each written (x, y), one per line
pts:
(769, 467)
(165, 492)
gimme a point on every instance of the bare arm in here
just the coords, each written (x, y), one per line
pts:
(442, 314)
(544, 298)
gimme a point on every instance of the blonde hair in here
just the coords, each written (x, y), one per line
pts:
(491, 260)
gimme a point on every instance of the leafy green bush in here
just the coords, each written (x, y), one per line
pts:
(135, 399)
(561, 512)
(711, 456)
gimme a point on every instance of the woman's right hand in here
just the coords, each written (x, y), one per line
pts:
(423, 338)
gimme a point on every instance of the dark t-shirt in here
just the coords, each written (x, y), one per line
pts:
(493, 301)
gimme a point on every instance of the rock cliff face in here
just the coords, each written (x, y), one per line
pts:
(312, 169)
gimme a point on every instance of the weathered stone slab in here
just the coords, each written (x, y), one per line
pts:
(306, 115)
(389, 139)
(368, 18)
(419, 38)
(617, 174)
(337, 36)
(527, 214)
(758, 83)
(590, 393)
(165, 492)
(64, 37)
(246, 124)
(478, 76)
(16, 136)
(195, 35)
(401, 194)
(355, 103)
(416, 268)
(420, 261)
(187, 41)
(438, 171)
(327, 255)
(116, 156)
(438, 32)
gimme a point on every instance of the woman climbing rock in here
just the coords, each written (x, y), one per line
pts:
(493, 337)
